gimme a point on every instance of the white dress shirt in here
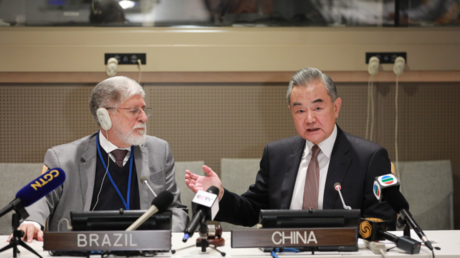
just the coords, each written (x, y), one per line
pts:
(109, 147)
(324, 157)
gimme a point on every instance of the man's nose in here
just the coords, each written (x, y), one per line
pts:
(310, 118)
(142, 117)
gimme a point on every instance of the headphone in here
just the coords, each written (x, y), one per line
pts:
(104, 118)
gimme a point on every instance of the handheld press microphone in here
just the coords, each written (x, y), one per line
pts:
(371, 229)
(386, 188)
(337, 187)
(374, 229)
(205, 207)
(34, 191)
(159, 204)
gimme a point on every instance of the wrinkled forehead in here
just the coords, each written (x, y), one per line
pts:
(314, 88)
(134, 101)
(122, 95)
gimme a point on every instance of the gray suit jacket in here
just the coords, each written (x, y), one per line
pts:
(153, 160)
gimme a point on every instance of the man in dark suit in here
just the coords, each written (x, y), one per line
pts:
(300, 172)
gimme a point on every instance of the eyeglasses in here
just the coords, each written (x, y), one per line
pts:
(135, 112)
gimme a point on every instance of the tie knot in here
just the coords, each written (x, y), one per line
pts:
(315, 151)
(119, 156)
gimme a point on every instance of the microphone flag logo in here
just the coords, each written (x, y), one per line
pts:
(387, 180)
(377, 190)
(365, 229)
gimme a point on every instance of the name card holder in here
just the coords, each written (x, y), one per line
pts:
(304, 239)
(142, 240)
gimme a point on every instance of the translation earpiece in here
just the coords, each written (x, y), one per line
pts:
(104, 118)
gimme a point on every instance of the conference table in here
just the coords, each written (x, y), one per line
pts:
(447, 240)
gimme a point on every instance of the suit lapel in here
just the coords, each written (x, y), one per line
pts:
(142, 166)
(338, 169)
(87, 170)
(291, 166)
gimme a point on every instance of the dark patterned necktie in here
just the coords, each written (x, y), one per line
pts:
(310, 193)
(119, 156)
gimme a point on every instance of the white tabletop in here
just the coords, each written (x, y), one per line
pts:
(448, 241)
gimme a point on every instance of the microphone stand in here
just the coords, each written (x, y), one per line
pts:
(17, 234)
(206, 240)
(203, 241)
(402, 223)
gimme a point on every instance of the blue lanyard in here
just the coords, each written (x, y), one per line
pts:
(125, 203)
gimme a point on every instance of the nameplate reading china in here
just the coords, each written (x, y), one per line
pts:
(148, 240)
(294, 237)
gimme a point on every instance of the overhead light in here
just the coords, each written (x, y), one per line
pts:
(125, 4)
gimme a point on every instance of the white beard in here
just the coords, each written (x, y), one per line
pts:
(129, 137)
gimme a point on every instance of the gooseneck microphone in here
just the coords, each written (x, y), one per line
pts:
(338, 187)
(205, 208)
(386, 188)
(145, 181)
(34, 191)
(159, 204)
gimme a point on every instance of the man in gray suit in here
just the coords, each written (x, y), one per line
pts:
(103, 169)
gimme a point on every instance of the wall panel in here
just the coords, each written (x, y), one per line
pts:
(64, 49)
(210, 121)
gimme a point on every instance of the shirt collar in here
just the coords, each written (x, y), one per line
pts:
(326, 146)
(107, 145)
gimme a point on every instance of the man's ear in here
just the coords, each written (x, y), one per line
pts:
(337, 104)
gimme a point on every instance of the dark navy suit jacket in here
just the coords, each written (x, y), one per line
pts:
(354, 163)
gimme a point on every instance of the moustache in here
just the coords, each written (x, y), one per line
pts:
(139, 126)
(142, 126)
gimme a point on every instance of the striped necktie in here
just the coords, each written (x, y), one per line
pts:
(119, 156)
(310, 193)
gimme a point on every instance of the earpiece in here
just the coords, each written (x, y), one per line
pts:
(398, 67)
(373, 67)
(104, 118)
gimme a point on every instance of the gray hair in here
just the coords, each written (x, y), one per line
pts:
(112, 92)
(308, 75)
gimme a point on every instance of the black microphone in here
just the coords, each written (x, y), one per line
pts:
(159, 204)
(204, 208)
(337, 187)
(374, 229)
(34, 191)
(144, 180)
(386, 188)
